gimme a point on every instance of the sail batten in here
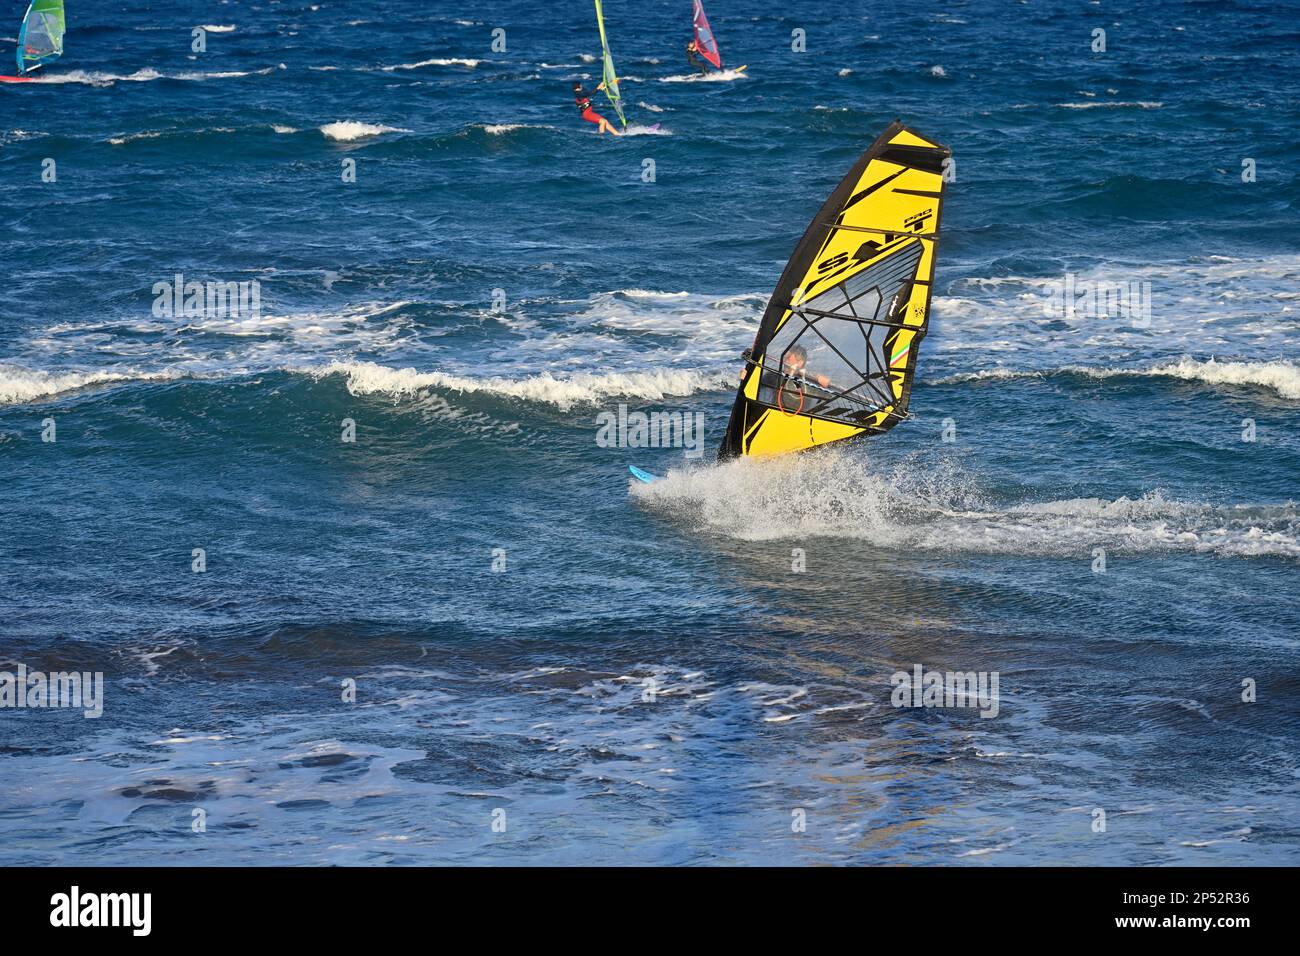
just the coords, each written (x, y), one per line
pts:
(610, 78)
(835, 353)
(40, 38)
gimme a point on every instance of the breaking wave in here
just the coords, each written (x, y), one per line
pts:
(1280, 377)
(368, 378)
(19, 385)
(347, 130)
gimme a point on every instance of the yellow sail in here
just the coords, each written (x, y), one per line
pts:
(836, 350)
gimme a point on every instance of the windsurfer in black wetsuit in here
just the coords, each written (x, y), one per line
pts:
(582, 100)
(795, 365)
(693, 58)
(792, 382)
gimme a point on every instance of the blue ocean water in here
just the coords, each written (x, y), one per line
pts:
(648, 680)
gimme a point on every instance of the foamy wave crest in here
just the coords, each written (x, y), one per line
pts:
(132, 137)
(147, 75)
(19, 135)
(223, 75)
(1112, 105)
(19, 385)
(636, 129)
(436, 61)
(832, 493)
(155, 134)
(347, 130)
(1281, 377)
(649, 294)
(367, 378)
(986, 375)
(499, 129)
(95, 78)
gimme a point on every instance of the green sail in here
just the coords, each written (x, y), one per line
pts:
(40, 40)
(610, 77)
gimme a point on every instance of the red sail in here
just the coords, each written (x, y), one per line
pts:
(704, 41)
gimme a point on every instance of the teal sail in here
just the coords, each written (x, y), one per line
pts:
(40, 40)
(610, 77)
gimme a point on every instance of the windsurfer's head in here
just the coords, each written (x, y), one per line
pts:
(577, 87)
(795, 360)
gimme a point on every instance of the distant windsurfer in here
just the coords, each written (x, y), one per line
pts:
(582, 99)
(693, 58)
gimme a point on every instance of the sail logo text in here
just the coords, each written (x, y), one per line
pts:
(916, 222)
(660, 429)
(36, 690)
(206, 300)
(1098, 299)
(103, 909)
(922, 688)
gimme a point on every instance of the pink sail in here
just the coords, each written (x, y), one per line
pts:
(704, 41)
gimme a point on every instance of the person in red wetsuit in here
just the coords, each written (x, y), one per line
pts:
(582, 100)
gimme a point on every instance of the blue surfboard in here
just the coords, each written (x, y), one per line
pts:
(642, 475)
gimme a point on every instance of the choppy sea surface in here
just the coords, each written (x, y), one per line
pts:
(648, 680)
